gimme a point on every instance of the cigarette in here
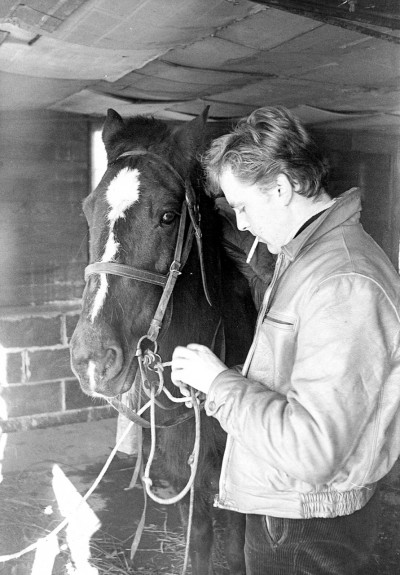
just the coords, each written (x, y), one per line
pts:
(252, 250)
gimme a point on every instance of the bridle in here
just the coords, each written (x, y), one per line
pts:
(149, 359)
(182, 249)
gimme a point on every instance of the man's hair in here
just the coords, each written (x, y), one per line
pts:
(269, 142)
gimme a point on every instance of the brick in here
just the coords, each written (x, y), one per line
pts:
(30, 331)
(30, 399)
(49, 364)
(15, 373)
(75, 398)
(70, 322)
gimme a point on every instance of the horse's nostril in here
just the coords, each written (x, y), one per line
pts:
(112, 362)
(110, 356)
(109, 359)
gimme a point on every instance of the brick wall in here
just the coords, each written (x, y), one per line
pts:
(44, 176)
(39, 387)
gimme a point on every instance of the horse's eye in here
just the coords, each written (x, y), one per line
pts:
(168, 218)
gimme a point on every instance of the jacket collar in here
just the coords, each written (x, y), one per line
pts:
(346, 208)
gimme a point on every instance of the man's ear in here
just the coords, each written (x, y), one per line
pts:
(285, 189)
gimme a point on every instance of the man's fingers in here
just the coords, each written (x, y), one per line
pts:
(196, 346)
(184, 390)
(181, 351)
(196, 366)
(182, 386)
(187, 351)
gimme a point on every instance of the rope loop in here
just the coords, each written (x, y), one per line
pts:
(192, 461)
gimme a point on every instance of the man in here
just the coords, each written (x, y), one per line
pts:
(313, 419)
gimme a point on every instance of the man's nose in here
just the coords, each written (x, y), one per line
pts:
(241, 222)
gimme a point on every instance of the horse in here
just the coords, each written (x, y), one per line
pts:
(151, 199)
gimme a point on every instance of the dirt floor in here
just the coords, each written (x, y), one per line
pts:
(29, 509)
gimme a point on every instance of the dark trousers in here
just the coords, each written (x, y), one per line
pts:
(338, 546)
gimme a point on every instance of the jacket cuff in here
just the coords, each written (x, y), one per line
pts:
(220, 389)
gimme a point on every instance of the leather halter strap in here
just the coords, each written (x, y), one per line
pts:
(190, 202)
(125, 271)
(182, 249)
(167, 282)
(135, 418)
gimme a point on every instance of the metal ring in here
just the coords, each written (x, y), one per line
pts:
(139, 350)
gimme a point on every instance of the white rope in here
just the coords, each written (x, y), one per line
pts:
(64, 523)
(160, 368)
(189, 530)
(192, 462)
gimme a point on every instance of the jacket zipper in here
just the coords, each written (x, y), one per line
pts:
(220, 501)
(263, 312)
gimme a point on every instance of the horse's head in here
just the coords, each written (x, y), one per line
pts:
(134, 217)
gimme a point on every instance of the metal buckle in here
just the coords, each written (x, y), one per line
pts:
(175, 267)
(152, 377)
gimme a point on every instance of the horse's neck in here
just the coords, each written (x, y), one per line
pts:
(193, 319)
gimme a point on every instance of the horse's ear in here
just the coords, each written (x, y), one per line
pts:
(191, 136)
(112, 126)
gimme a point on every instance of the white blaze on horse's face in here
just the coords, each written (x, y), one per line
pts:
(122, 192)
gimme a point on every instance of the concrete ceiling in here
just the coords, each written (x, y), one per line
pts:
(330, 61)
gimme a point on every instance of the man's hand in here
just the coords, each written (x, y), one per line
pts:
(195, 366)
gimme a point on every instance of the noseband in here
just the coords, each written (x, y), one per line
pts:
(181, 254)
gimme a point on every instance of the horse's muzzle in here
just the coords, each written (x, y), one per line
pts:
(97, 360)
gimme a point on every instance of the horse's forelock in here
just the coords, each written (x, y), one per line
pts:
(137, 133)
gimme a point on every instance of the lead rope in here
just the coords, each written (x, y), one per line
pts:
(194, 456)
(64, 522)
(192, 461)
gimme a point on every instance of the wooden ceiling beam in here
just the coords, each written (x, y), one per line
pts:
(348, 10)
(327, 15)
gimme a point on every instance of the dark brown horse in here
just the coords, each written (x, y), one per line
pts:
(135, 221)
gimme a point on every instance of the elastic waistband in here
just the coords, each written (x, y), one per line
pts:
(335, 503)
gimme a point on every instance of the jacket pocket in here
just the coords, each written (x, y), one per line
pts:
(281, 320)
(276, 529)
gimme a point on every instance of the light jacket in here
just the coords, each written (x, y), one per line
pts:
(313, 420)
